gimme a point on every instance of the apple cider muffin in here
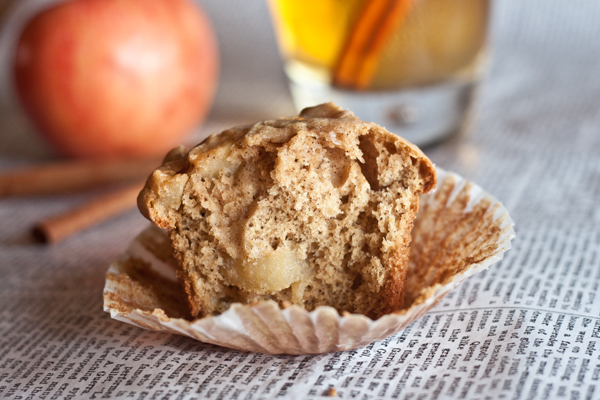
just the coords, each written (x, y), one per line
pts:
(311, 210)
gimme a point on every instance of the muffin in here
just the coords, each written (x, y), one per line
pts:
(311, 210)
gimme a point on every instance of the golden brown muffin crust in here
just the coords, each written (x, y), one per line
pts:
(311, 210)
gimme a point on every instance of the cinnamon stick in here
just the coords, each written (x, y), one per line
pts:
(59, 227)
(71, 176)
(376, 23)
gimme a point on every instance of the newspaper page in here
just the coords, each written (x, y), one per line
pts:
(527, 328)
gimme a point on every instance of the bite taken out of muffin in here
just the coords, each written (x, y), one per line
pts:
(311, 210)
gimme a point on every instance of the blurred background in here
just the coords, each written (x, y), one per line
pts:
(252, 85)
(542, 52)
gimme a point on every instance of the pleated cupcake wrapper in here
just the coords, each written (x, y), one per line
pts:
(456, 223)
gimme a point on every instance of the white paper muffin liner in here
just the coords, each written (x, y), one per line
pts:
(456, 224)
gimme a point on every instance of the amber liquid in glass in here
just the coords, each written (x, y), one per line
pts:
(409, 65)
(433, 41)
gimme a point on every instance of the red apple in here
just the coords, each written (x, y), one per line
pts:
(105, 78)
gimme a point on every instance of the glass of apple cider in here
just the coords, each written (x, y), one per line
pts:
(409, 65)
